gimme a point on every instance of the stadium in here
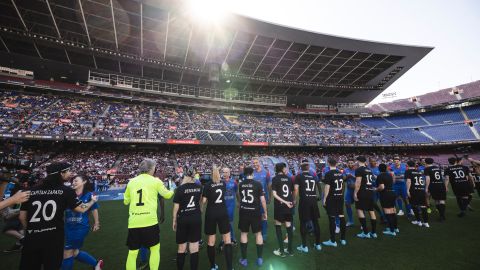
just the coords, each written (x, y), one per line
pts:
(104, 84)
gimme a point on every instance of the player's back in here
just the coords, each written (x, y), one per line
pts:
(215, 194)
(307, 187)
(416, 179)
(366, 184)
(250, 192)
(335, 180)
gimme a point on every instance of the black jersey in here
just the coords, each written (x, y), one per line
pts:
(250, 192)
(476, 178)
(458, 177)
(215, 194)
(386, 179)
(283, 186)
(334, 178)
(45, 213)
(366, 185)
(188, 197)
(417, 183)
(307, 186)
(435, 174)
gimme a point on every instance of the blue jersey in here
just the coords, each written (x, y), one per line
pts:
(78, 223)
(230, 193)
(399, 172)
(263, 177)
(375, 172)
(349, 179)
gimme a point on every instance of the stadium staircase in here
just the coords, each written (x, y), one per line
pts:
(472, 127)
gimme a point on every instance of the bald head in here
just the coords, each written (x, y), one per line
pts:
(226, 173)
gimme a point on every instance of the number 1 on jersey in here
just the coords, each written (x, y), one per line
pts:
(140, 193)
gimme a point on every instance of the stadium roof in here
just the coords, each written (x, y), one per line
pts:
(156, 39)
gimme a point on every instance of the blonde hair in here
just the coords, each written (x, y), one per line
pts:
(215, 175)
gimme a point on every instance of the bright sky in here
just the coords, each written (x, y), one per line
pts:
(451, 26)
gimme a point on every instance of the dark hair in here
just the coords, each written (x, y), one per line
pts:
(411, 163)
(88, 187)
(382, 167)
(279, 167)
(361, 159)
(53, 180)
(247, 171)
(331, 161)
(429, 161)
(305, 166)
(452, 160)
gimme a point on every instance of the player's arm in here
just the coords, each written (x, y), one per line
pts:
(269, 186)
(96, 220)
(264, 205)
(126, 195)
(174, 218)
(446, 178)
(83, 207)
(203, 202)
(19, 197)
(326, 191)
(23, 218)
(474, 161)
(427, 183)
(295, 192)
(163, 191)
(358, 182)
(409, 183)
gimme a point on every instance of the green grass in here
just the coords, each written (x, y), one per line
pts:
(453, 244)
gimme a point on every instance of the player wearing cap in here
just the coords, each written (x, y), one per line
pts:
(141, 195)
(43, 218)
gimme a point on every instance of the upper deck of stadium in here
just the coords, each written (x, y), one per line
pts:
(157, 39)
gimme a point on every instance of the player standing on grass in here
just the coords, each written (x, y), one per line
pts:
(333, 202)
(187, 219)
(416, 194)
(252, 199)
(398, 169)
(363, 196)
(282, 191)
(306, 191)
(263, 176)
(349, 177)
(437, 188)
(216, 214)
(459, 177)
(141, 195)
(230, 199)
(387, 199)
(77, 226)
(42, 217)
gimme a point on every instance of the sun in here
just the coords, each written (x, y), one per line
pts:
(208, 11)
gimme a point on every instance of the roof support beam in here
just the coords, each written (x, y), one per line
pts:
(141, 32)
(186, 51)
(56, 28)
(230, 47)
(309, 65)
(166, 38)
(328, 63)
(248, 52)
(210, 43)
(36, 49)
(4, 44)
(296, 61)
(84, 22)
(359, 64)
(20, 16)
(383, 59)
(339, 68)
(279, 60)
(264, 56)
(114, 26)
(284, 93)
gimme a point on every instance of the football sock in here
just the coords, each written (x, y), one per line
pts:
(316, 230)
(409, 208)
(343, 228)
(363, 222)
(193, 261)
(424, 215)
(180, 260)
(264, 230)
(417, 213)
(464, 204)
(332, 227)
(132, 260)
(374, 225)
(67, 264)
(337, 221)
(391, 222)
(400, 204)
(349, 213)
(228, 256)
(441, 210)
(395, 221)
(290, 238)
(470, 197)
(303, 233)
(278, 231)
(143, 254)
(232, 232)
(260, 251)
(86, 258)
(243, 249)
(155, 256)
(211, 255)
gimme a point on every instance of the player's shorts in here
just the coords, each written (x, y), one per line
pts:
(418, 198)
(49, 255)
(283, 216)
(211, 223)
(189, 230)
(387, 198)
(365, 201)
(12, 225)
(439, 193)
(349, 196)
(334, 207)
(143, 237)
(461, 190)
(308, 211)
(246, 222)
(74, 240)
(400, 189)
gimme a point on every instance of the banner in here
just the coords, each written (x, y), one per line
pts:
(123, 125)
(11, 105)
(172, 128)
(76, 111)
(255, 144)
(285, 144)
(174, 141)
(64, 120)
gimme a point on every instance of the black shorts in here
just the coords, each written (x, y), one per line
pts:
(283, 216)
(12, 225)
(334, 207)
(211, 223)
(438, 193)
(143, 237)
(365, 202)
(308, 211)
(461, 190)
(189, 229)
(418, 198)
(387, 199)
(246, 222)
(49, 256)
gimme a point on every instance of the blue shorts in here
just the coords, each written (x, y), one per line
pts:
(75, 240)
(400, 189)
(349, 196)
(231, 213)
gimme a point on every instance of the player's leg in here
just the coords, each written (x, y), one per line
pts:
(289, 226)
(278, 233)
(303, 234)
(210, 231)
(264, 224)
(243, 247)
(228, 250)
(52, 256)
(181, 253)
(373, 222)
(348, 206)
(181, 237)
(193, 248)
(31, 259)
(405, 199)
(424, 211)
(388, 215)
(143, 255)
(259, 241)
(68, 258)
(398, 198)
(363, 222)
(416, 212)
(470, 197)
(331, 226)
(463, 205)
(154, 260)
(343, 230)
